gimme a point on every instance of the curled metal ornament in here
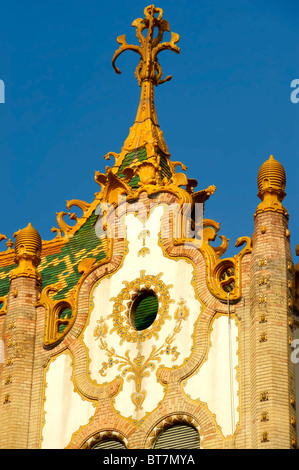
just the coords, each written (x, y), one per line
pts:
(148, 67)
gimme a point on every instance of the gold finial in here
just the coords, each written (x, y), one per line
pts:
(271, 183)
(145, 131)
(149, 67)
(28, 247)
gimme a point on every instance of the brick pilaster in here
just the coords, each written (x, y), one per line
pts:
(16, 380)
(272, 372)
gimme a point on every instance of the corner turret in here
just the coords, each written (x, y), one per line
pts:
(271, 183)
(28, 247)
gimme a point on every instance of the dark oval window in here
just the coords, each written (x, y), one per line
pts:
(144, 310)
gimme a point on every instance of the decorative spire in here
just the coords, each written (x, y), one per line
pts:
(144, 162)
(146, 131)
(271, 183)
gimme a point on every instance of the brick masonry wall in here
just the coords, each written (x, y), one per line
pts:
(242, 312)
(272, 373)
(16, 378)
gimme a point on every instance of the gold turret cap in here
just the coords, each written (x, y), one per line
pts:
(271, 176)
(28, 246)
(271, 182)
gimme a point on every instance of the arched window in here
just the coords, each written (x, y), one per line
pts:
(178, 436)
(108, 443)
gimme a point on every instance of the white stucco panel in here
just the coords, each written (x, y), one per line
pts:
(60, 402)
(212, 384)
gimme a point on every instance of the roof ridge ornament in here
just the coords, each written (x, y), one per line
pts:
(153, 171)
(149, 67)
(146, 131)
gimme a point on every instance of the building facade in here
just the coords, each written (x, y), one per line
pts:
(130, 329)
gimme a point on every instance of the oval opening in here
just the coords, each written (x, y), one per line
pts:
(144, 310)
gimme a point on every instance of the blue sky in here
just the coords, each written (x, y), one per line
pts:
(225, 111)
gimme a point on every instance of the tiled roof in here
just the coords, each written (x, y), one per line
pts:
(60, 263)
(61, 266)
(138, 156)
(4, 278)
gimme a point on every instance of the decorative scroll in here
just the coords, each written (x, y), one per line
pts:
(60, 315)
(66, 229)
(223, 276)
(149, 67)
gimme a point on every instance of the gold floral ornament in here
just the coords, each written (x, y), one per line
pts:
(101, 330)
(139, 367)
(144, 250)
(123, 302)
(182, 312)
